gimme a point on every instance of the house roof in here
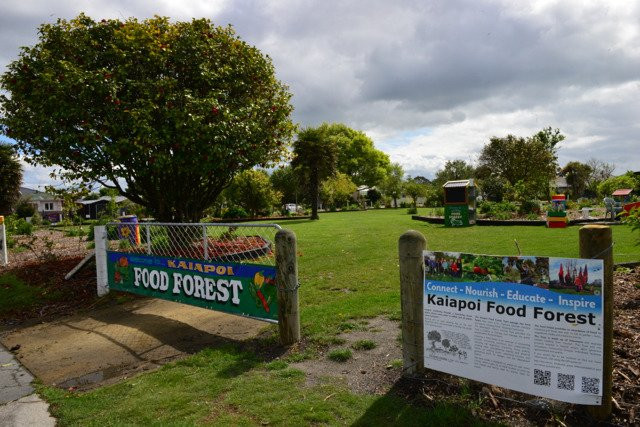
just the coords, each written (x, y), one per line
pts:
(622, 192)
(561, 182)
(119, 199)
(37, 196)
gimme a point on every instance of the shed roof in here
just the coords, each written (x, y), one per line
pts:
(459, 183)
(622, 192)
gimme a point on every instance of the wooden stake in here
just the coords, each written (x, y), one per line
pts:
(596, 242)
(287, 283)
(410, 247)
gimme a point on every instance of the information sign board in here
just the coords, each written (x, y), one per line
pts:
(531, 324)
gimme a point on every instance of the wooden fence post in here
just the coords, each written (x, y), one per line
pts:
(596, 242)
(100, 239)
(287, 283)
(4, 259)
(410, 247)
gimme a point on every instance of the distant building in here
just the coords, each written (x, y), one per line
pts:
(91, 209)
(559, 185)
(49, 206)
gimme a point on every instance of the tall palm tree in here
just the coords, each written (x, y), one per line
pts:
(315, 154)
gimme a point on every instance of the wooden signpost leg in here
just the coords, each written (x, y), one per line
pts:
(410, 248)
(596, 242)
(287, 283)
(100, 239)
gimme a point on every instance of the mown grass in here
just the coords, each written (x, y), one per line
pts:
(348, 268)
(228, 387)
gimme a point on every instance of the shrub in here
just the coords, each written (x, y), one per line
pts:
(36, 219)
(24, 209)
(529, 207)
(22, 227)
(235, 212)
(497, 210)
(412, 210)
(340, 355)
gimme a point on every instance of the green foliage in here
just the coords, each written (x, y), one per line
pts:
(497, 210)
(235, 212)
(287, 181)
(493, 188)
(577, 175)
(529, 207)
(412, 210)
(252, 191)
(527, 164)
(357, 156)
(633, 219)
(414, 190)
(151, 103)
(340, 355)
(36, 219)
(608, 186)
(454, 170)
(364, 345)
(22, 227)
(24, 208)
(315, 156)
(392, 184)
(10, 178)
(336, 191)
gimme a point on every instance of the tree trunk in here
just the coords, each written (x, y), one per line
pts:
(315, 196)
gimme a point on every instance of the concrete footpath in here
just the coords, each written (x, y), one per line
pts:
(19, 405)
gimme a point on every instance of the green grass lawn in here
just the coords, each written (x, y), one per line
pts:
(348, 267)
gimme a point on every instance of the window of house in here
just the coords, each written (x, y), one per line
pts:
(48, 206)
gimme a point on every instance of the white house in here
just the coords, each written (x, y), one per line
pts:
(49, 206)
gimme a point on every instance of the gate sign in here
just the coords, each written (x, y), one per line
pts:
(243, 289)
(531, 324)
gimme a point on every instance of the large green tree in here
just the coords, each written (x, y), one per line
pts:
(454, 170)
(253, 191)
(315, 155)
(10, 178)
(529, 163)
(393, 183)
(577, 175)
(357, 156)
(288, 182)
(165, 112)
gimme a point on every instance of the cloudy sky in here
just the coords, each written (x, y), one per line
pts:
(429, 81)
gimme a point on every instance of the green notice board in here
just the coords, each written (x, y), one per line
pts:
(456, 215)
(242, 289)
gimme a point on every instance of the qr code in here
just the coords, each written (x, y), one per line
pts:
(566, 381)
(591, 385)
(541, 377)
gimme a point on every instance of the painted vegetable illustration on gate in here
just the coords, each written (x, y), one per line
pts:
(263, 290)
(121, 270)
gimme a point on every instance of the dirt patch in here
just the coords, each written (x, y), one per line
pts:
(55, 295)
(102, 346)
(368, 371)
(44, 242)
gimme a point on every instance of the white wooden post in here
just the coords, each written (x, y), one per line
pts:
(100, 238)
(4, 260)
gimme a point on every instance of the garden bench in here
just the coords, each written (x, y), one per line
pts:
(612, 207)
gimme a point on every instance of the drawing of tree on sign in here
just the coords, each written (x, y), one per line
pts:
(434, 337)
